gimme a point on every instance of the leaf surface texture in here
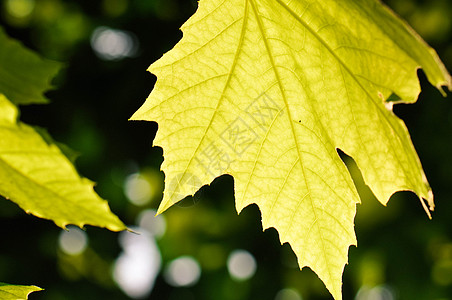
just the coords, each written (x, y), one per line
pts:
(34, 172)
(41, 179)
(16, 292)
(23, 74)
(268, 90)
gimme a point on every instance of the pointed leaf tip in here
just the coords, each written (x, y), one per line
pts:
(268, 90)
(42, 181)
(16, 292)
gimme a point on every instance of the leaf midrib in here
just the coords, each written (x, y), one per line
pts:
(278, 78)
(40, 184)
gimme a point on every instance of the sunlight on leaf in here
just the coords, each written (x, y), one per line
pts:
(268, 90)
(23, 74)
(41, 179)
(34, 172)
(16, 292)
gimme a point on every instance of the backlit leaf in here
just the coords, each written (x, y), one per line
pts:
(42, 181)
(16, 292)
(23, 74)
(268, 90)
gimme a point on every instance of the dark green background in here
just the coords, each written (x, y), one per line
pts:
(399, 247)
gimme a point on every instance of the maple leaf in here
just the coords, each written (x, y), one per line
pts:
(41, 179)
(268, 90)
(16, 292)
(34, 172)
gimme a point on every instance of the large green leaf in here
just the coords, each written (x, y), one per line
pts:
(41, 179)
(267, 90)
(23, 74)
(16, 292)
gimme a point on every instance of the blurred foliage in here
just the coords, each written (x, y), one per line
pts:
(400, 251)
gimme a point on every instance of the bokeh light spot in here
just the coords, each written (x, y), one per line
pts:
(183, 271)
(241, 265)
(20, 8)
(137, 267)
(73, 241)
(138, 189)
(113, 44)
(442, 273)
(155, 225)
(288, 294)
(380, 292)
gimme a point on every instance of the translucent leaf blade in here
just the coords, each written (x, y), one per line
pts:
(268, 90)
(41, 179)
(16, 292)
(23, 74)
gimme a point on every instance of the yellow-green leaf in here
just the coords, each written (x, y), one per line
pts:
(16, 292)
(267, 90)
(42, 181)
(23, 74)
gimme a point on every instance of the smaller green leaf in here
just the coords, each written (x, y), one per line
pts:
(70, 153)
(16, 292)
(24, 75)
(37, 176)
